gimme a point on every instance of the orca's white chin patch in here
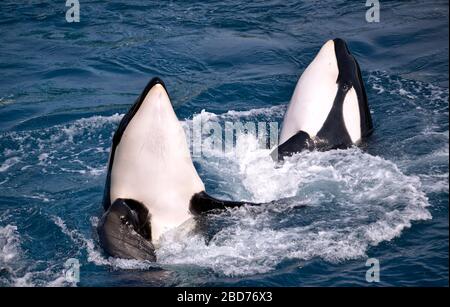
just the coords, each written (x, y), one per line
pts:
(152, 164)
(313, 95)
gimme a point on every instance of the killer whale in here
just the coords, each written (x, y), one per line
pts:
(151, 184)
(329, 107)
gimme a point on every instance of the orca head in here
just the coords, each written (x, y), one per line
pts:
(150, 167)
(329, 105)
(152, 163)
(313, 95)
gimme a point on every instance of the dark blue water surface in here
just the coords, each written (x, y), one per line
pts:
(64, 87)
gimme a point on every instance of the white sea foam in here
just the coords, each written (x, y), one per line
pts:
(8, 163)
(357, 200)
(9, 244)
(419, 94)
(429, 104)
(4, 101)
(20, 271)
(67, 148)
(277, 111)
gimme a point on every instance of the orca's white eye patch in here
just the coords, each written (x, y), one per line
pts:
(351, 115)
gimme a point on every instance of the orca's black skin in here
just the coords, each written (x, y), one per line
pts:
(297, 142)
(333, 133)
(125, 228)
(124, 231)
(203, 203)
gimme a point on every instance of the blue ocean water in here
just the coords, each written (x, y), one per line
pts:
(64, 87)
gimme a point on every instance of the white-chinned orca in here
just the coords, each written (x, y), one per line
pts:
(152, 185)
(328, 108)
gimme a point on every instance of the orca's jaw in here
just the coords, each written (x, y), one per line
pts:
(124, 231)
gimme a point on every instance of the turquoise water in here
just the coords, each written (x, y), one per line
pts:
(64, 87)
